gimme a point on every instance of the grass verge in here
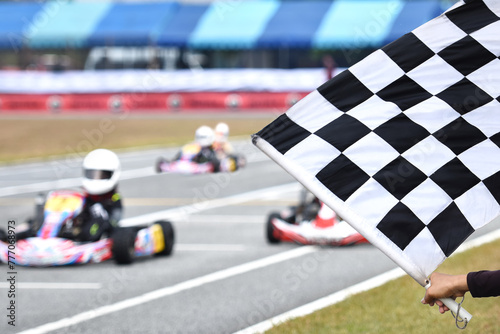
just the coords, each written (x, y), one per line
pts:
(395, 307)
(24, 138)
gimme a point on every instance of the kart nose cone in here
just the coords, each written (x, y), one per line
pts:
(44, 252)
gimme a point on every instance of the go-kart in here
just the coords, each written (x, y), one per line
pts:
(228, 164)
(184, 167)
(49, 248)
(185, 163)
(311, 223)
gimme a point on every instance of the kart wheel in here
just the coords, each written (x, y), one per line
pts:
(158, 164)
(124, 245)
(241, 161)
(168, 237)
(270, 229)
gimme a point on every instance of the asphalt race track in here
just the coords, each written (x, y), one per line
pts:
(222, 276)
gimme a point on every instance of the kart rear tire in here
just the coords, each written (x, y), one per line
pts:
(158, 164)
(270, 229)
(168, 237)
(241, 161)
(124, 245)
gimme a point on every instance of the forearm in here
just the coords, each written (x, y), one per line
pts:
(484, 283)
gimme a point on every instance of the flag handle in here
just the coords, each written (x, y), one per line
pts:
(460, 314)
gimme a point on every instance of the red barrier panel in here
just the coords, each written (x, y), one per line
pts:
(160, 102)
(18, 102)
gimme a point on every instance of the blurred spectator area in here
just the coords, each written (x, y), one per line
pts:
(95, 35)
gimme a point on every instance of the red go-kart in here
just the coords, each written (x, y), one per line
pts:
(311, 223)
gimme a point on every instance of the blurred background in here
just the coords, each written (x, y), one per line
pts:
(266, 46)
(92, 35)
(139, 77)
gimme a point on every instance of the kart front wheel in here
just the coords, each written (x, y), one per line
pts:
(124, 245)
(168, 237)
(270, 229)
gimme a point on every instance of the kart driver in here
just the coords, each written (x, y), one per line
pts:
(202, 149)
(221, 145)
(103, 206)
(307, 209)
(225, 151)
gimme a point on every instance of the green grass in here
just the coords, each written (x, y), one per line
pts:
(41, 137)
(395, 307)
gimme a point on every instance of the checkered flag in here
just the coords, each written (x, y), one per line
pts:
(405, 144)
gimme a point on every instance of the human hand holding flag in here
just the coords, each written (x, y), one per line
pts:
(405, 144)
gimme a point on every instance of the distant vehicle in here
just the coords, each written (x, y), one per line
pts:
(184, 164)
(310, 223)
(204, 155)
(102, 58)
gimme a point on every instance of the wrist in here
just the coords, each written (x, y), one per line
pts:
(460, 284)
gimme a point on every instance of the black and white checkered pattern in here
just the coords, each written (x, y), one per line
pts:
(405, 144)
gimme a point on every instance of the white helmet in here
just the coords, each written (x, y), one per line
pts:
(101, 171)
(221, 132)
(204, 136)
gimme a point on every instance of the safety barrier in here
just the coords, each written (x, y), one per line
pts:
(153, 102)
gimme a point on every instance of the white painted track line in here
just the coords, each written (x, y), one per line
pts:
(53, 285)
(69, 183)
(76, 182)
(167, 291)
(227, 219)
(210, 248)
(357, 288)
(324, 302)
(202, 205)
